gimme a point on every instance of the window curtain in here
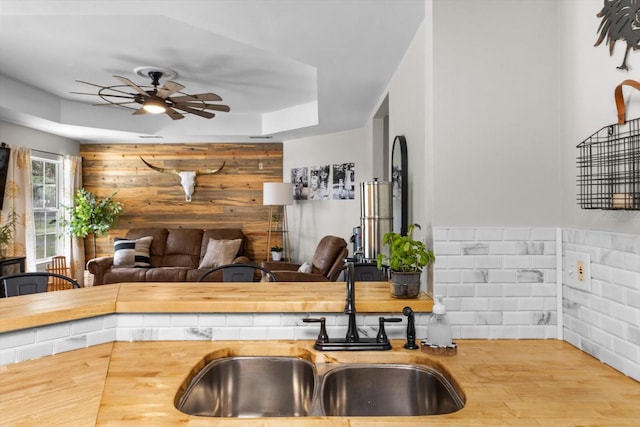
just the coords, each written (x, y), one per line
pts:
(73, 247)
(18, 198)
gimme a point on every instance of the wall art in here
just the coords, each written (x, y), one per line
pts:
(319, 184)
(300, 181)
(620, 20)
(325, 182)
(344, 181)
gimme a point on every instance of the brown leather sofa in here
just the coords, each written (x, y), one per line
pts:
(327, 261)
(174, 255)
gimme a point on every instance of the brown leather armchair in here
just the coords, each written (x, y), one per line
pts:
(327, 261)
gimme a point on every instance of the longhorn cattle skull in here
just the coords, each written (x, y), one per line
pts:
(187, 178)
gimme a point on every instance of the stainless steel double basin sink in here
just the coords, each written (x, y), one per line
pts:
(267, 386)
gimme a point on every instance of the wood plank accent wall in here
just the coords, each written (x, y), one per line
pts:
(231, 198)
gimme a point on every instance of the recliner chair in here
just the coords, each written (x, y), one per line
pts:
(327, 261)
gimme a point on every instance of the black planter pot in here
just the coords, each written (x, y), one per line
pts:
(405, 284)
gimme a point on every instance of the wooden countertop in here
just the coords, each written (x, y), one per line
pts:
(505, 383)
(28, 311)
(371, 297)
(53, 307)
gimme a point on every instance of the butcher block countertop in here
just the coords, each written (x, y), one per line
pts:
(319, 297)
(504, 382)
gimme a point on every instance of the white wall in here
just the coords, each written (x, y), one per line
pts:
(517, 85)
(310, 220)
(25, 137)
(587, 81)
(407, 110)
(496, 144)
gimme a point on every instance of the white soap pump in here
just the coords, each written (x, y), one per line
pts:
(439, 330)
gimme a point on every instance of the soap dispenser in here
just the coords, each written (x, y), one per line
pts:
(438, 329)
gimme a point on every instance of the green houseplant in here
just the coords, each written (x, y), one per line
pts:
(6, 232)
(92, 215)
(276, 253)
(407, 257)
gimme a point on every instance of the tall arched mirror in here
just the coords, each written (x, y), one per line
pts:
(400, 184)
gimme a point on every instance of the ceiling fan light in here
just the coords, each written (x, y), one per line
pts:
(154, 105)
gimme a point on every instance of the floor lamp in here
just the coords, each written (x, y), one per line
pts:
(278, 194)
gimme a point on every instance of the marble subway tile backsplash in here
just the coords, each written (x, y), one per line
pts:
(32, 343)
(251, 326)
(497, 282)
(604, 319)
(501, 283)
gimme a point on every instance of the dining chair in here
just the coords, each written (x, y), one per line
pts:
(58, 265)
(239, 273)
(32, 283)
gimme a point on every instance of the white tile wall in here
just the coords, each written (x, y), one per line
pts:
(33, 343)
(604, 320)
(497, 282)
(252, 326)
(27, 344)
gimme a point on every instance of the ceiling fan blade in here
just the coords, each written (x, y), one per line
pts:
(113, 103)
(174, 114)
(168, 89)
(103, 87)
(110, 96)
(132, 85)
(87, 83)
(197, 97)
(200, 113)
(217, 107)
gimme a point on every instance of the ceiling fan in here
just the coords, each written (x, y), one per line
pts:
(157, 100)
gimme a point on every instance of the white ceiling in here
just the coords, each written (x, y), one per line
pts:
(287, 68)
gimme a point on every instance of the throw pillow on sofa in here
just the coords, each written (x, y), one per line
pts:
(132, 253)
(220, 252)
(305, 268)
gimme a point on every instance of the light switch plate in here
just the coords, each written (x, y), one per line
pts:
(578, 270)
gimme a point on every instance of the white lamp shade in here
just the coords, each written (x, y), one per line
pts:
(277, 193)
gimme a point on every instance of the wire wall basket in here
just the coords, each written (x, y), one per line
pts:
(609, 168)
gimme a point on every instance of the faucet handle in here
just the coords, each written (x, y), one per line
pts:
(322, 336)
(382, 334)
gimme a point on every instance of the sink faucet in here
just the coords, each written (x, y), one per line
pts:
(351, 341)
(350, 304)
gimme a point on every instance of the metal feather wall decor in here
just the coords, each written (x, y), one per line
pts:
(620, 21)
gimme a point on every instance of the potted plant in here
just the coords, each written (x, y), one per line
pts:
(275, 221)
(276, 253)
(91, 215)
(406, 259)
(6, 232)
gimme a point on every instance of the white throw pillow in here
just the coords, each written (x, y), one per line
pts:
(220, 252)
(305, 268)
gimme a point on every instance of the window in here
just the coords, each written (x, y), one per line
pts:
(46, 175)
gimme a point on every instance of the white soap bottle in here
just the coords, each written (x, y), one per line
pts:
(439, 330)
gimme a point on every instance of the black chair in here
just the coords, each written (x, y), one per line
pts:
(239, 272)
(32, 283)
